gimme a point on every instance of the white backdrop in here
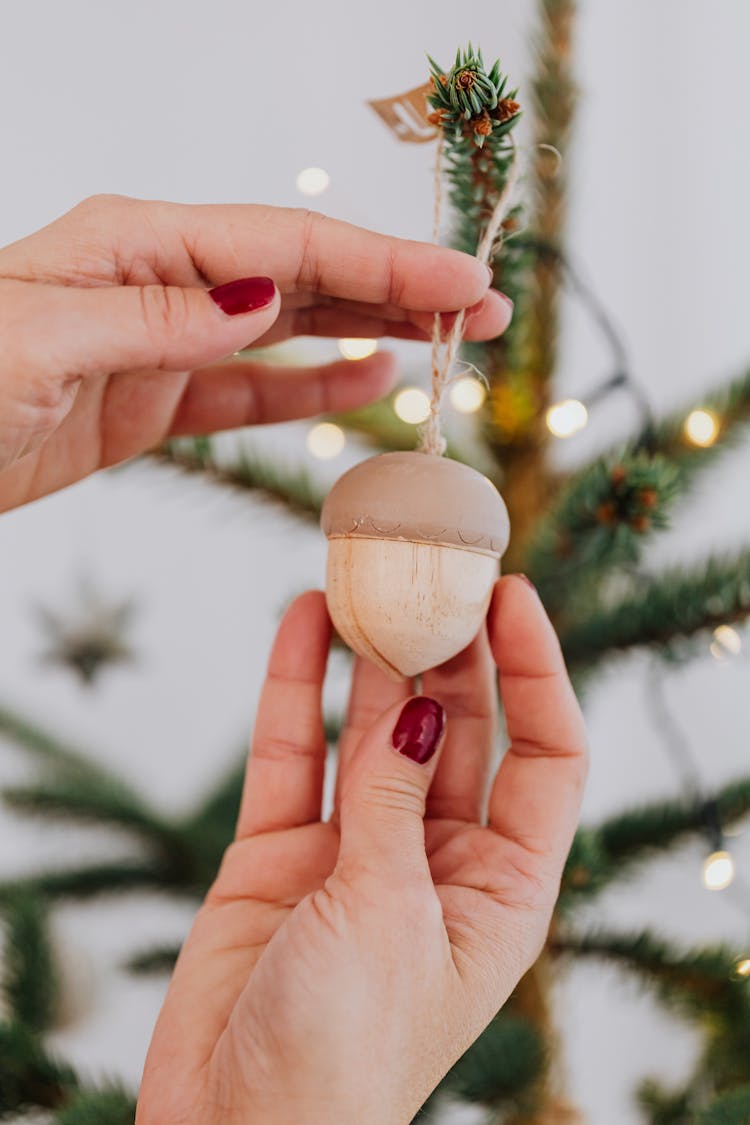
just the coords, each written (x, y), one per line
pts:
(196, 102)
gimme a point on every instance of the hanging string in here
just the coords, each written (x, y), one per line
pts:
(431, 435)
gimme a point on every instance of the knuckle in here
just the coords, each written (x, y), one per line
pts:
(165, 310)
(102, 205)
(394, 792)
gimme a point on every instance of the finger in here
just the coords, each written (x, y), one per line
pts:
(97, 331)
(488, 318)
(210, 244)
(284, 779)
(372, 692)
(535, 799)
(465, 686)
(248, 393)
(383, 798)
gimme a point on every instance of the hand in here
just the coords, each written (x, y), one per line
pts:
(111, 341)
(337, 969)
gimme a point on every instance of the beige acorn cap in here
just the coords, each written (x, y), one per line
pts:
(419, 498)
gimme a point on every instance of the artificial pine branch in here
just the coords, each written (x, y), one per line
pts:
(502, 1068)
(380, 426)
(29, 1076)
(160, 959)
(695, 982)
(94, 880)
(600, 520)
(602, 854)
(665, 609)
(110, 1106)
(729, 1109)
(294, 489)
(29, 977)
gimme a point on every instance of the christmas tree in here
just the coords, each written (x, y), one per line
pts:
(581, 537)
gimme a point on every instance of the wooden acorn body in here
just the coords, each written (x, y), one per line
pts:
(414, 544)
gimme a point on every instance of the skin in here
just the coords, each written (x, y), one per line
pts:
(111, 343)
(339, 967)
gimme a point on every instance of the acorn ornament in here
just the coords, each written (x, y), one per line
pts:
(415, 538)
(414, 541)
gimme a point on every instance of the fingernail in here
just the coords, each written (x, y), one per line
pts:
(506, 298)
(491, 272)
(244, 295)
(417, 733)
(528, 582)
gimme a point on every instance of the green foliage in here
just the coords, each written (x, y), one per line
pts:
(160, 959)
(663, 1107)
(29, 1076)
(29, 978)
(729, 1109)
(662, 610)
(110, 1106)
(472, 103)
(602, 854)
(501, 1068)
(599, 521)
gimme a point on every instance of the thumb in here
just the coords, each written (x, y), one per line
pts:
(97, 330)
(383, 795)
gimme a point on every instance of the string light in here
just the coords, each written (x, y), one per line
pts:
(726, 642)
(412, 405)
(742, 969)
(701, 428)
(567, 417)
(467, 395)
(718, 871)
(325, 440)
(312, 181)
(357, 348)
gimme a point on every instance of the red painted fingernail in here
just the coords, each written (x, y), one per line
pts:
(528, 582)
(506, 298)
(244, 295)
(417, 733)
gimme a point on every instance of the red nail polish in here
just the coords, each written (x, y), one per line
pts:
(244, 295)
(528, 582)
(417, 733)
(506, 298)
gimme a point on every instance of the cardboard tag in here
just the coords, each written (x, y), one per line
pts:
(406, 115)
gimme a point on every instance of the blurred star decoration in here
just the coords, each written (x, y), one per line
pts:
(90, 635)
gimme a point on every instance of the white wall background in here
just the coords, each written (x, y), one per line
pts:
(196, 102)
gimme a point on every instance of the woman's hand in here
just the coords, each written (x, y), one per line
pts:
(338, 968)
(111, 341)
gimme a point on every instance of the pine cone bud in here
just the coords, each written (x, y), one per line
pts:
(640, 523)
(465, 79)
(437, 117)
(482, 126)
(505, 109)
(606, 513)
(619, 475)
(648, 498)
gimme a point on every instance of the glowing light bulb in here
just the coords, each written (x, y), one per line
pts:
(701, 427)
(312, 181)
(467, 395)
(718, 871)
(567, 417)
(742, 969)
(726, 642)
(356, 348)
(325, 440)
(412, 405)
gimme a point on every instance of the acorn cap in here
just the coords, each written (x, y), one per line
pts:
(420, 498)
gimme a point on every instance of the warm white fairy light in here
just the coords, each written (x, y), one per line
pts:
(357, 348)
(412, 405)
(325, 440)
(742, 968)
(718, 871)
(567, 417)
(312, 181)
(727, 642)
(701, 427)
(467, 395)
